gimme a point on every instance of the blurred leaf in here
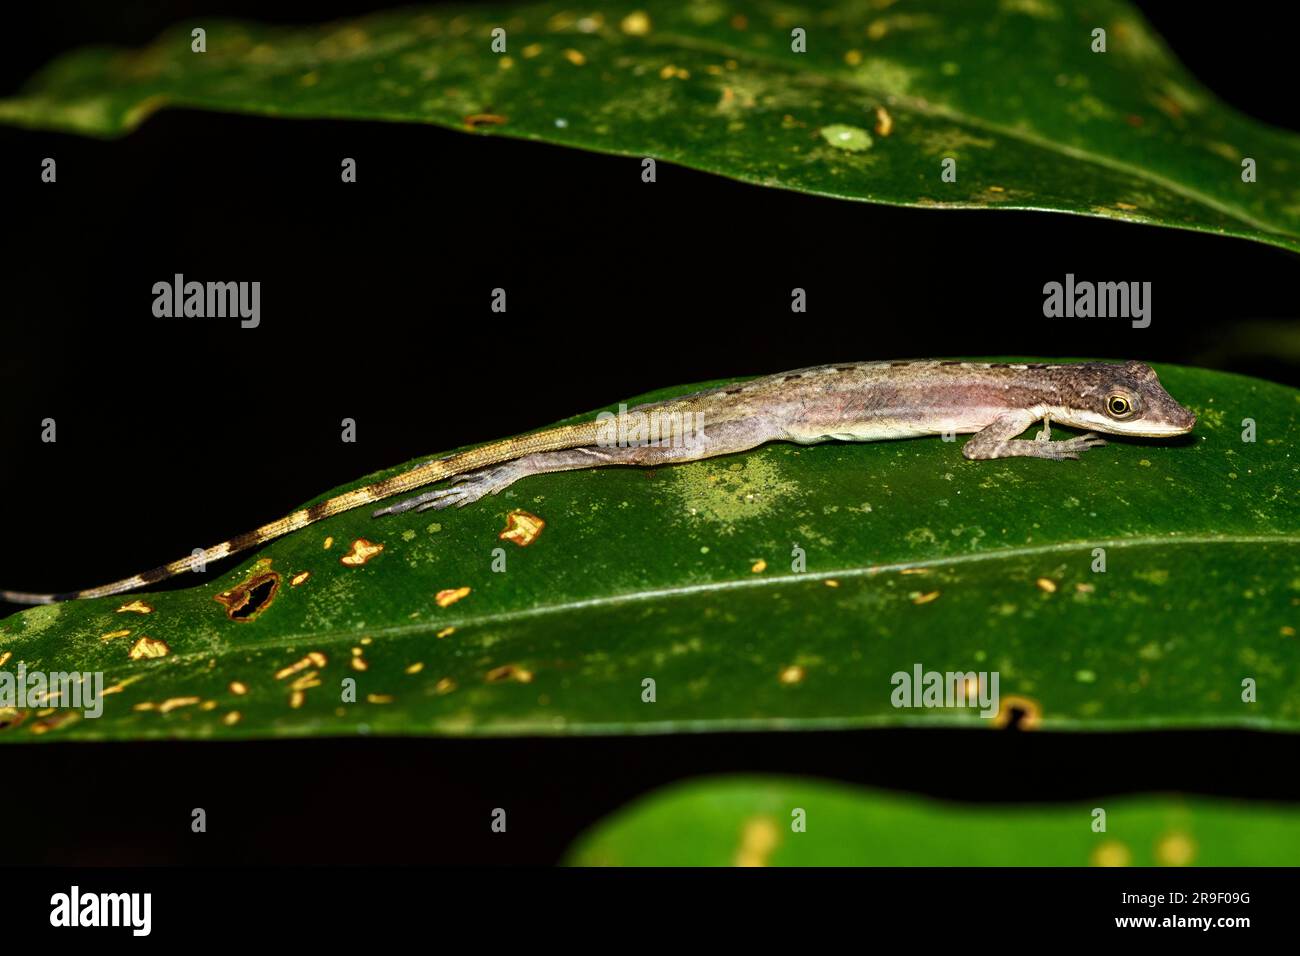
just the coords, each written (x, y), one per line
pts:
(747, 821)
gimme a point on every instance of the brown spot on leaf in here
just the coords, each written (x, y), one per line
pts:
(135, 607)
(1019, 713)
(246, 602)
(522, 528)
(362, 551)
(54, 721)
(11, 717)
(509, 672)
(481, 120)
(146, 648)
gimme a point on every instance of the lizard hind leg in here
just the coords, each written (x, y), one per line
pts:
(470, 487)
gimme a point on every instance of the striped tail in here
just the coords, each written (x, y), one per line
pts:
(554, 439)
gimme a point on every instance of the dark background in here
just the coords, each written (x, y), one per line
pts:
(173, 433)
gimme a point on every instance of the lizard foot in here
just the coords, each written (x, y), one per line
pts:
(465, 490)
(1072, 447)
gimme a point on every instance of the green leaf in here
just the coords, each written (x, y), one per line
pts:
(725, 821)
(1010, 89)
(684, 574)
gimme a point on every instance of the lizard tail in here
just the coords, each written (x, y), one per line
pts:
(554, 439)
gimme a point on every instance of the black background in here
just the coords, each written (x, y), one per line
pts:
(179, 434)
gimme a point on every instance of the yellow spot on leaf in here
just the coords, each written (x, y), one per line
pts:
(208, 705)
(444, 686)
(329, 543)
(758, 838)
(380, 698)
(362, 551)
(532, 50)
(636, 23)
(884, 122)
(1112, 853)
(450, 596)
(522, 528)
(135, 607)
(4, 658)
(853, 57)
(415, 668)
(238, 688)
(172, 703)
(114, 634)
(314, 659)
(759, 566)
(231, 718)
(1047, 584)
(299, 578)
(831, 583)
(792, 674)
(447, 632)
(359, 663)
(147, 647)
(575, 57)
(926, 598)
(1175, 849)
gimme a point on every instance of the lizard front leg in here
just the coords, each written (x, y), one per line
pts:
(998, 440)
(721, 439)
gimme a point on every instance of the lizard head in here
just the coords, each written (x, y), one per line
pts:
(1128, 399)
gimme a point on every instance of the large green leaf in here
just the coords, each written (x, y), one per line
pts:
(914, 555)
(748, 821)
(1010, 89)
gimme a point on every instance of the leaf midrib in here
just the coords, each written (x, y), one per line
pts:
(686, 590)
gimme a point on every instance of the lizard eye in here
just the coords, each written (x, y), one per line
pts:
(1118, 406)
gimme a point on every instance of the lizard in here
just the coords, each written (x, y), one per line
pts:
(863, 401)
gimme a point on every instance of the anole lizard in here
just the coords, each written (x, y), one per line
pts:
(864, 401)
